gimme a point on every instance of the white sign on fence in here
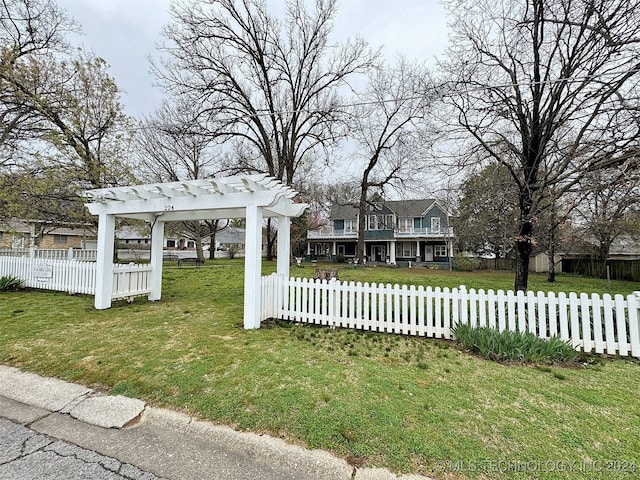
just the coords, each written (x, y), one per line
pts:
(42, 272)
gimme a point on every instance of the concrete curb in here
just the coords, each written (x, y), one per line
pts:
(41, 396)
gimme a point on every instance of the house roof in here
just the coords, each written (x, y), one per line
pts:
(402, 208)
(21, 226)
(127, 232)
(230, 235)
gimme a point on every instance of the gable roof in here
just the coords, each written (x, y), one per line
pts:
(402, 208)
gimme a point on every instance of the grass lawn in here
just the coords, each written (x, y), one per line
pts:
(408, 404)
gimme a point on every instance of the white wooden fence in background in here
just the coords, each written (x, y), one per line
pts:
(51, 253)
(76, 276)
(603, 324)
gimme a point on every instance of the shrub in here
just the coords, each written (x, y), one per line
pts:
(507, 345)
(465, 264)
(9, 283)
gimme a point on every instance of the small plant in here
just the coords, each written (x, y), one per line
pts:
(465, 264)
(507, 345)
(9, 283)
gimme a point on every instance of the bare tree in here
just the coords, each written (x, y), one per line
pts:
(269, 86)
(174, 146)
(611, 198)
(388, 128)
(547, 88)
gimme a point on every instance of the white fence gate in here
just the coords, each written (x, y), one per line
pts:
(76, 276)
(590, 322)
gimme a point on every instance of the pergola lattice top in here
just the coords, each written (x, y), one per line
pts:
(196, 199)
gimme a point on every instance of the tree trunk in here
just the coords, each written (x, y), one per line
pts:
(271, 239)
(524, 242)
(212, 246)
(362, 205)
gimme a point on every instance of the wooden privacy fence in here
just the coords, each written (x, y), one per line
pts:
(589, 322)
(76, 277)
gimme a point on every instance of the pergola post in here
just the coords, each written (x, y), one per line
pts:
(157, 244)
(104, 261)
(284, 246)
(252, 267)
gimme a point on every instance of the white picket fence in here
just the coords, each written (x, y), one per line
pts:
(75, 276)
(51, 253)
(590, 322)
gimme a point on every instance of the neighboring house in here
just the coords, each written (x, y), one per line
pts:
(396, 232)
(18, 234)
(133, 237)
(137, 238)
(231, 238)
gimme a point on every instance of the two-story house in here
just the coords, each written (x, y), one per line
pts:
(396, 232)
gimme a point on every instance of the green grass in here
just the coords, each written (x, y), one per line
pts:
(376, 399)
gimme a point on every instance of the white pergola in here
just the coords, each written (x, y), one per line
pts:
(252, 197)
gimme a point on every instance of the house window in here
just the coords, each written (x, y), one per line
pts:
(191, 244)
(350, 226)
(60, 239)
(379, 222)
(405, 225)
(417, 222)
(171, 243)
(435, 224)
(440, 250)
(338, 224)
(407, 249)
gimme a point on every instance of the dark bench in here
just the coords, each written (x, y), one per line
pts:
(192, 260)
(169, 257)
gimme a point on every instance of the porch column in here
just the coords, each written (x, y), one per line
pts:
(252, 267)
(104, 261)
(418, 255)
(284, 246)
(157, 243)
(334, 250)
(392, 252)
(308, 248)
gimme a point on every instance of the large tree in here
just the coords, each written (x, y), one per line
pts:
(83, 138)
(487, 214)
(268, 87)
(29, 30)
(547, 88)
(173, 146)
(63, 126)
(272, 85)
(388, 128)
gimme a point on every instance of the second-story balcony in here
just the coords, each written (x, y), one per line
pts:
(329, 233)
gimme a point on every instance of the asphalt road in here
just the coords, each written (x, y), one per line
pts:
(29, 455)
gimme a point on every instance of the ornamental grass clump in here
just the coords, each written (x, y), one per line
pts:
(9, 283)
(507, 345)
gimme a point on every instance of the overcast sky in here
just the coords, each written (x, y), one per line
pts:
(125, 32)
